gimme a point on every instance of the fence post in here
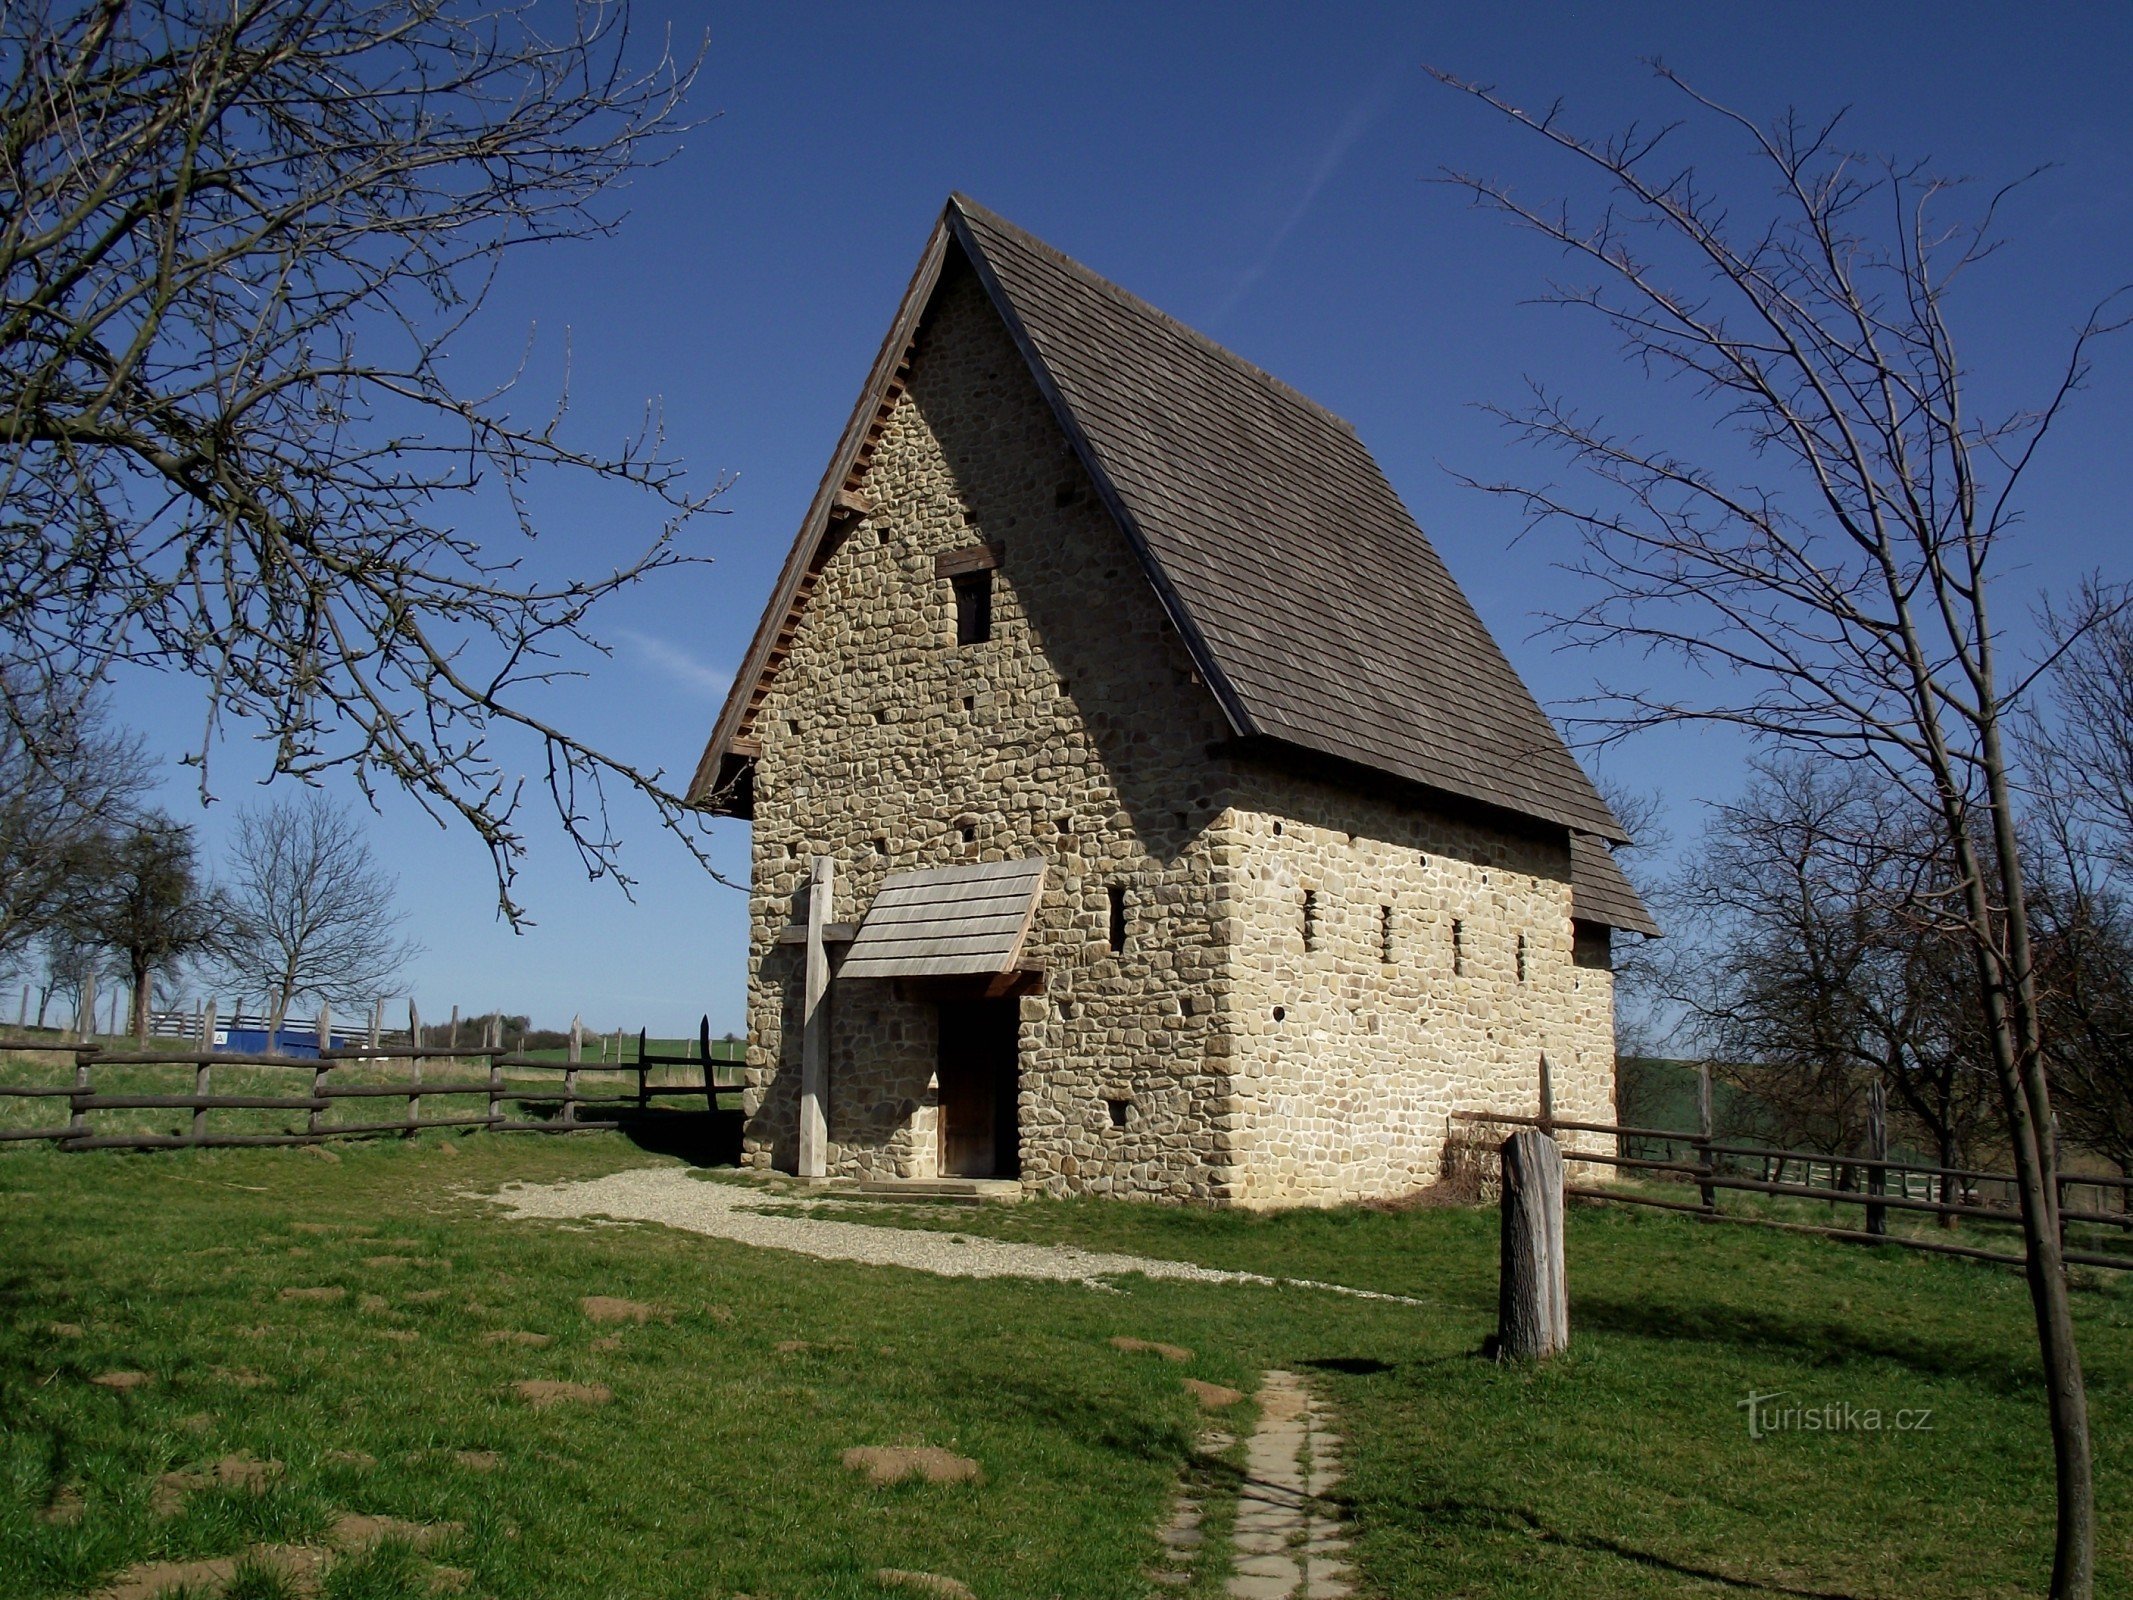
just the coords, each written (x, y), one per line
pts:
(570, 1073)
(1877, 1146)
(320, 1066)
(78, 1123)
(643, 1090)
(414, 1067)
(1547, 1094)
(496, 1082)
(703, 1048)
(1532, 1297)
(452, 1039)
(377, 1022)
(207, 1025)
(85, 1008)
(1704, 1157)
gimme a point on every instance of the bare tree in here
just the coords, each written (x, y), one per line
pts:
(1830, 584)
(139, 895)
(70, 778)
(311, 911)
(238, 239)
(1815, 962)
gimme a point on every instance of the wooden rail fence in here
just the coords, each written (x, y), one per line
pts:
(1714, 1165)
(477, 1091)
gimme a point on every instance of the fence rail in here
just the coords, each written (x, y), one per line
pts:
(482, 1073)
(1885, 1188)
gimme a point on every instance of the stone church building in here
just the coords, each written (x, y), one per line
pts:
(1139, 806)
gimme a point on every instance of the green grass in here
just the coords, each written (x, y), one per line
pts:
(1622, 1469)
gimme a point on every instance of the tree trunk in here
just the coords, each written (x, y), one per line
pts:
(143, 987)
(1533, 1303)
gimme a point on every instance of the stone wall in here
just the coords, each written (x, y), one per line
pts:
(1079, 732)
(1076, 732)
(1393, 965)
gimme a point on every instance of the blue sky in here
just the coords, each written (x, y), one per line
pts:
(1260, 172)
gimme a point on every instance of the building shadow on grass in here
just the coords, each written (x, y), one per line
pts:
(701, 1138)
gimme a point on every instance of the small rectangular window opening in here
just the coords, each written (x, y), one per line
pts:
(1521, 958)
(1385, 952)
(1118, 917)
(1310, 919)
(973, 606)
(1458, 946)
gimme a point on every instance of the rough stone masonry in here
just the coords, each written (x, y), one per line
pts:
(1247, 982)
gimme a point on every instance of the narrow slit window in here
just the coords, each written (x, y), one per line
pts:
(973, 606)
(1521, 958)
(1458, 946)
(1118, 917)
(1310, 919)
(1385, 950)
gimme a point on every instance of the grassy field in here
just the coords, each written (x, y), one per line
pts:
(1623, 1469)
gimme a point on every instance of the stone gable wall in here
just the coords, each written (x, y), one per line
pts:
(1076, 732)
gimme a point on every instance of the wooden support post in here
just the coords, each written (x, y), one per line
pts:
(814, 1031)
(377, 1022)
(22, 1015)
(577, 1039)
(496, 1086)
(414, 1067)
(452, 1039)
(1547, 1096)
(85, 1008)
(207, 1026)
(643, 1096)
(1704, 1157)
(1877, 1146)
(703, 1049)
(1532, 1296)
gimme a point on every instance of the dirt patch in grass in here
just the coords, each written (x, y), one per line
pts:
(400, 1335)
(65, 1508)
(332, 1227)
(122, 1382)
(68, 1330)
(424, 1297)
(885, 1464)
(608, 1341)
(928, 1583)
(478, 1460)
(375, 1304)
(540, 1392)
(296, 1566)
(1212, 1396)
(356, 1531)
(242, 1378)
(322, 1295)
(612, 1308)
(245, 1471)
(532, 1341)
(1153, 1347)
(791, 1347)
(361, 1460)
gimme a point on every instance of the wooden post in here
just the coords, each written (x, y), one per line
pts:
(496, 1084)
(703, 1049)
(78, 1123)
(207, 1026)
(85, 1008)
(377, 1022)
(22, 1015)
(570, 1073)
(320, 1067)
(643, 1097)
(1547, 1097)
(452, 1038)
(1532, 1295)
(814, 1032)
(414, 1068)
(1704, 1157)
(1877, 1147)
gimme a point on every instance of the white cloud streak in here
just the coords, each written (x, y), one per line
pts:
(699, 678)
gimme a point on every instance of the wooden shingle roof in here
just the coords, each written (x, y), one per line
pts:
(1318, 613)
(1600, 893)
(969, 919)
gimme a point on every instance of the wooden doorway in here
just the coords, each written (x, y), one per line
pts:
(978, 1083)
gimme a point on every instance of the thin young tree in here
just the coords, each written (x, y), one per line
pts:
(140, 896)
(312, 914)
(239, 243)
(1830, 585)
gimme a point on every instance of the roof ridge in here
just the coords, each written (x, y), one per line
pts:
(1022, 236)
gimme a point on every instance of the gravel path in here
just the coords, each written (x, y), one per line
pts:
(671, 1196)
